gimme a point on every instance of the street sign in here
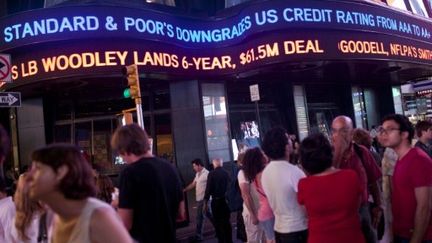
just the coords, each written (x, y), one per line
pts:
(5, 68)
(254, 92)
(10, 99)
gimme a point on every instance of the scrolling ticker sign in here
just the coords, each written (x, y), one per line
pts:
(82, 40)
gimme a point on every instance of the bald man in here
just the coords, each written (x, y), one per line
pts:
(348, 155)
(217, 184)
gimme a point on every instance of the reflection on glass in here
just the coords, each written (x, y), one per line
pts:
(418, 7)
(397, 100)
(359, 107)
(216, 124)
(83, 138)
(250, 134)
(301, 114)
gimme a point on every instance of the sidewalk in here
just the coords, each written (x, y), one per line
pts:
(186, 234)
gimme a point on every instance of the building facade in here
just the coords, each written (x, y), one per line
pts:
(200, 67)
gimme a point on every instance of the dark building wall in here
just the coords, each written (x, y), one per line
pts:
(379, 103)
(385, 101)
(187, 125)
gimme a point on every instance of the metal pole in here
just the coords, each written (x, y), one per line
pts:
(139, 112)
(259, 120)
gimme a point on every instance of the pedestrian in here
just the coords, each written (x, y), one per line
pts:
(151, 192)
(250, 202)
(105, 188)
(412, 182)
(388, 163)
(348, 155)
(7, 213)
(62, 179)
(279, 181)
(254, 163)
(28, 214)
(424, 134)
(217, 184)
(199, 183)
(363, 137)
(332, 218)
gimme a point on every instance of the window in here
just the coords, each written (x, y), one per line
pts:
(418, 7)
(400, 4)
(216, 121)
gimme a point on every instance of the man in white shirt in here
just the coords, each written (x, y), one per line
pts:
(199, 183)
(279, 181)
(7, 214)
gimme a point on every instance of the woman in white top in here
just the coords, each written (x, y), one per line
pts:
(61, 178)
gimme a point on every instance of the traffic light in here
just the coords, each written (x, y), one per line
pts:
(131, 73)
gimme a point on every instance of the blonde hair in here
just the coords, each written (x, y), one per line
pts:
(26, 208)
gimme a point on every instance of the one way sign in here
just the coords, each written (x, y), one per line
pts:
(10, 99)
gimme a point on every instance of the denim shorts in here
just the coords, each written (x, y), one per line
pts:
(268, 228)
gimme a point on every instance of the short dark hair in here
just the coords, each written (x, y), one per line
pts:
(253, 163)
(131, 139)
(79, 182)
(274, 143)
(197, 161)
(422, 126)
(403, 122)
(316, 153)
(362, 137)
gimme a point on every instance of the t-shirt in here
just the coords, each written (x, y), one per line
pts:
(366, 168)
(425, 147)
(264, 212)
(332, 217)
(7, 215)
(279, 181)
(151, 187)
(217, 184)
(201, 182)
(253, 193)
(412, 171)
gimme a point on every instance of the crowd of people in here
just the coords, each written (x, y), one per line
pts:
(62, 199)
(354, 188)
(361, 186)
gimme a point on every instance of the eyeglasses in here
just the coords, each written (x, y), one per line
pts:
(386, 131)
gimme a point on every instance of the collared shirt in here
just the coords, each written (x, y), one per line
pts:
(217, 184)
(7, 215)
(366, 168)
(201, 182)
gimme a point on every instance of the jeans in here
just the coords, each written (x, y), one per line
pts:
(221, 218)
(366, 224)
(200, 219)
(293, 237)
(398, 239)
